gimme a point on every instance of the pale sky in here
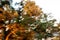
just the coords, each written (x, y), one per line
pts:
(49, 6)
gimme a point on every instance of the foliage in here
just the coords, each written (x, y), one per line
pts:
(27, 24)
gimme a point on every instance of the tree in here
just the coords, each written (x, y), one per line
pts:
(28, 24)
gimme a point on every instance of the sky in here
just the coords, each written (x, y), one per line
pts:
(48, 6)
